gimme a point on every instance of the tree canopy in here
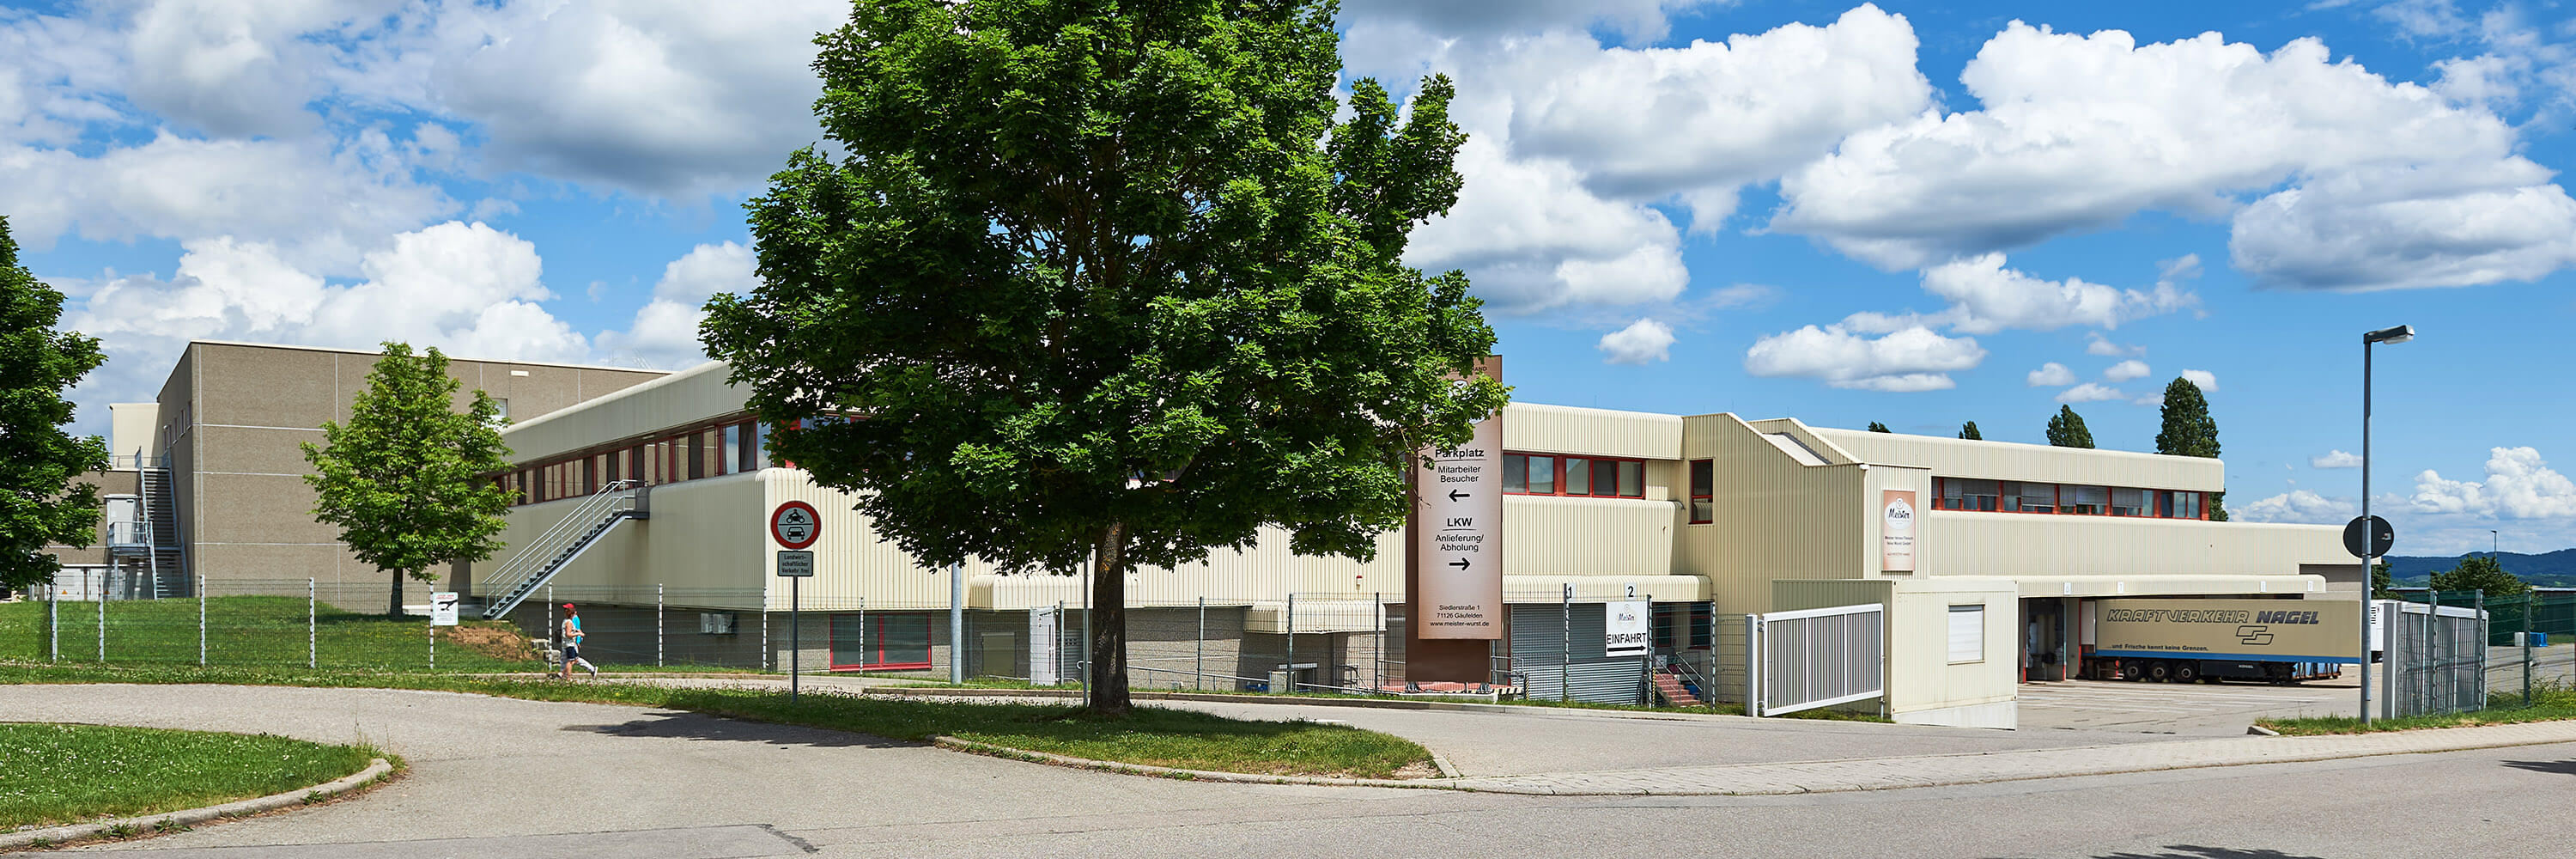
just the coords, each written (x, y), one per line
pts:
(1108, 283)
(39, 506)
(1875, 426)
(2189, 431)
(404, 478)
(2066, 429)
(2481, 573)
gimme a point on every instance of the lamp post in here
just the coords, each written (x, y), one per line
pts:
(2370, 532)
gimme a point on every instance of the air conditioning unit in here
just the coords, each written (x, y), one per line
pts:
(715, 623)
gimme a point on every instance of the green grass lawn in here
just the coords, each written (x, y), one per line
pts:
(2547, 704)
(250, 632)
(57, 774)
(1150, 736)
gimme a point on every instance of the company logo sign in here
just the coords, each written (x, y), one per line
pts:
(1896, 530)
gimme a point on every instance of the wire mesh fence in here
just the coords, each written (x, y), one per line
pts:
(1313, 643)
(2528, 647)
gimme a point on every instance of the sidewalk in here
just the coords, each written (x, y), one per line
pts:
(1935, 770)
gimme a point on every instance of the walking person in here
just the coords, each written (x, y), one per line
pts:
(572, 643)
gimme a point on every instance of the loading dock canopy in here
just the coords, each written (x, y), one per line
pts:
(2035, 587)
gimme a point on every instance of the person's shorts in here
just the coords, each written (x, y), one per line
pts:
(572, 652)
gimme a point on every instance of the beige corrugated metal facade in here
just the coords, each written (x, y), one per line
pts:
(1794, 517)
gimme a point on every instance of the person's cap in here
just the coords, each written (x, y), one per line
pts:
(567, 605)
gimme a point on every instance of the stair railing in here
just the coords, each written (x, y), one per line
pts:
(524, 567)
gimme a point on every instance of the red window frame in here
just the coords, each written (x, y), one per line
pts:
(1941, 499)
(1557, 463)
(875, 645)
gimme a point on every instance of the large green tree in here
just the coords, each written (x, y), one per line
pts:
(2066, 429)
(2481, 573)
(1107, 282)
(2190, 431)
(39, 506)
(406, 477)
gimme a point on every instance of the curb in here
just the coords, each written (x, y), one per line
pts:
(180, 820)
(970, 746)
(1364, 703)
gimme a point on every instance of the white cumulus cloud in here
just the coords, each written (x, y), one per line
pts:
(2296, 506)
(2090, 392)
(2203, 379)
(1990, 298)
(2080, 132)
(665, 331)
(2335, 459)
(2518, 485)
(1642, 342)
(2050, 375)
(1911, 359)
(2125, 370)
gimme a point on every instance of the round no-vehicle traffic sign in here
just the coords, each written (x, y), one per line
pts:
(795, 525)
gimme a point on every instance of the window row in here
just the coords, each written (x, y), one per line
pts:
(703, 452)
(2014, 496)
(1534, 474)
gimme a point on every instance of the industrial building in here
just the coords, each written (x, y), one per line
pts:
(207, 482)
(1983, 558)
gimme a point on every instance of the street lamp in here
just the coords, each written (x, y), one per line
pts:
(2369, 529)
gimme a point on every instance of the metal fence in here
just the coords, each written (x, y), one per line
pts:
(1299, 642)
(2436, 655)
(2529, 645)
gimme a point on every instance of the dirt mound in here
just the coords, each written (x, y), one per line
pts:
(499, 641)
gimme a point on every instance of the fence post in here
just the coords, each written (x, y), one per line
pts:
(54, 619)
(201, 621)
(1565, 650)
(657, 625)
(103, 585)
(2530, 602)
(433, 647)
(1292, 644)
(2478, 604)
(1753, 666)
(768, 657)
(312, 635)
(1377, 660)
(1198, 672)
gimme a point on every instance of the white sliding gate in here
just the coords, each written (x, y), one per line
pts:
(1815, 657)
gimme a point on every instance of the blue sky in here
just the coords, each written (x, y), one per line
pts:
(1914, 213)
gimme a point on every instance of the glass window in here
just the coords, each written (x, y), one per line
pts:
(1515, 473)
(2128, 502)
(1578, 476)
(1605, 478)
(2038, 498)
(696, 455)
(2165, 504)
(1632, 479)
(635, 464)
(2087, 500)
(2190, 506)
(751, 459)
(1703, 484)
(731, 461)
(1542, 475)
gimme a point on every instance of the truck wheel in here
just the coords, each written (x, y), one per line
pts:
(2159, 671)
(2186, 672)
(2130, 671)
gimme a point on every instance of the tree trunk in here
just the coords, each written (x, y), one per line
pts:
(394, 607)
(1109, 622)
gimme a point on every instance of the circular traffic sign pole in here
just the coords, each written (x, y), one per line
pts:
(795, 525)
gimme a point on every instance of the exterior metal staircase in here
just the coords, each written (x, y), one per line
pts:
(154, 539)
(547, 554)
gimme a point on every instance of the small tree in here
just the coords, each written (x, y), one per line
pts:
(2067, 429)
(2190, 431)
(2380, 582)
(1969, 431)
(1875, 426)
(405, 478)
(38, 505)
(1108, 282)
(2481, 573)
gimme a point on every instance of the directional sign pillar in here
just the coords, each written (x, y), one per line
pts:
(1454, 558)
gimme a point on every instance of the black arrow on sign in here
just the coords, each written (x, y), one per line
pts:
(1455, 495)
(1461, 563)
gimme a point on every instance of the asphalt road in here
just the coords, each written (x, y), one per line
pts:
(533, 780)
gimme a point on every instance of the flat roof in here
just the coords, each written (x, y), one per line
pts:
(305, 348)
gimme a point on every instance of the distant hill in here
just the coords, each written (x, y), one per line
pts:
(2550, 569)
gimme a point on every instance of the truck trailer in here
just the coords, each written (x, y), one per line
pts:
(2279, 641)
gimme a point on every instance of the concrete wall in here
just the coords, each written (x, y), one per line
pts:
(1773, 516)
(1924, 687)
